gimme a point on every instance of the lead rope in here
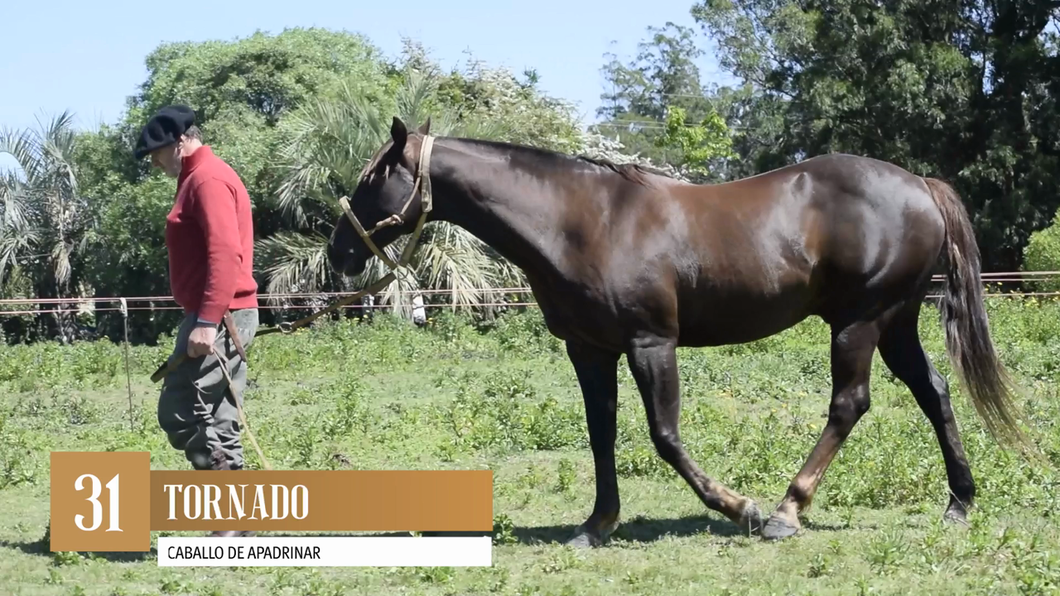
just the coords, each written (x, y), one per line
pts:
(237, 397)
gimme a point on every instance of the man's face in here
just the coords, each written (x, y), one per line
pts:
(168, 158)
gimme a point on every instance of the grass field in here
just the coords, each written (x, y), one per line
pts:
(391, 396)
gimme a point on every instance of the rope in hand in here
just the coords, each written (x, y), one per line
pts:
(171, 364)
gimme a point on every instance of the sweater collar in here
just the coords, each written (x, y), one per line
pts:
(190, 162)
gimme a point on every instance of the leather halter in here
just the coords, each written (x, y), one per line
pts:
(422, 184)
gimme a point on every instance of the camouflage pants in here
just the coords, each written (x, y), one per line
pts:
(195, 408)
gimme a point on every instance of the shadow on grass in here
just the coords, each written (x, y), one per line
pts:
(42, 547)
(644, 530)
(638, 529)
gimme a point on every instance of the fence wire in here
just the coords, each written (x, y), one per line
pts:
(280, 301)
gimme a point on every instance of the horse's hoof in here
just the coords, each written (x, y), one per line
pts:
(583, 539)
(956, 513)
(751, 519)
(777, 527)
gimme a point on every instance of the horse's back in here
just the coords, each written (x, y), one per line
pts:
(819, 237)
(842, 206)
(869, 228)
(737, 261)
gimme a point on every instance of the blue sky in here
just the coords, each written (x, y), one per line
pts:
(88, 59)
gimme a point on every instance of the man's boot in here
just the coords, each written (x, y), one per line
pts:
(218, 461)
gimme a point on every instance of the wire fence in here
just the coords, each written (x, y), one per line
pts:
(491, 297)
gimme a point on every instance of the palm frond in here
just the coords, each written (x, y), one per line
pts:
(12, 243)
(328, 143)
(42, 211)
(15, 198)
(22, 146)
(293, 262)
(414, 99)
(60, 255)
(452, 259)
(56, 147)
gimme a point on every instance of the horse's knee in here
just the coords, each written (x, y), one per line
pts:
(667, 445)
(848, 407)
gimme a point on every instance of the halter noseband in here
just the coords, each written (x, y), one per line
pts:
(422, 184)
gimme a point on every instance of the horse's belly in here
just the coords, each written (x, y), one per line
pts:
(713, 320)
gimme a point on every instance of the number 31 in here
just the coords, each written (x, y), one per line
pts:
(97, 508)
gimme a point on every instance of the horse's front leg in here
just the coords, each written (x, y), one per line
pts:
(653, 361)
(597, 372)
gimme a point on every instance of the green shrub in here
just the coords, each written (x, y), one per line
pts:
(1043, 254)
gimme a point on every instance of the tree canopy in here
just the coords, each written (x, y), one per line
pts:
(966, 91)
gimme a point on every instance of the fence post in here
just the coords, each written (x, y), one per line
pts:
(128, 376)
(419, 314)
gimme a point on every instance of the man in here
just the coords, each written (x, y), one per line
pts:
(210, 241)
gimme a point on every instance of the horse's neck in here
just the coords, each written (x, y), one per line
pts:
(509, 209)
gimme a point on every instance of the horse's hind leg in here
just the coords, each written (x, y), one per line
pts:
(852, 349)
(902, 353)
(653, 362)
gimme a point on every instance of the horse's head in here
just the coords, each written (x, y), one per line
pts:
(387, 203)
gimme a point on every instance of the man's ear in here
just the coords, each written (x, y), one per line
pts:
(400, 134)
(425, 129)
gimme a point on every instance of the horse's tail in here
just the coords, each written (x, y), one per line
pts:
(967, 330)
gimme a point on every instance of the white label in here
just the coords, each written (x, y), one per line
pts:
(326, 551)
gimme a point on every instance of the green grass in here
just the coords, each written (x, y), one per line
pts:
(390, 396)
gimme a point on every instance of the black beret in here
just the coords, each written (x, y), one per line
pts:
(164, 128)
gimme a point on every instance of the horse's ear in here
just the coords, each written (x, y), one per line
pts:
(399, 133)
(426, 128)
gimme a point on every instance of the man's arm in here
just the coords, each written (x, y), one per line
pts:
(215, 209)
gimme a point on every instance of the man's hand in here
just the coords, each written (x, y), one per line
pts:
(200, 341)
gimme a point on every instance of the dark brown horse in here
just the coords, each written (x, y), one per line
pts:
(624, 261)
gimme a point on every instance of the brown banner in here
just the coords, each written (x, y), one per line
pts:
(99, 501)
(111, 501)
(322, 500)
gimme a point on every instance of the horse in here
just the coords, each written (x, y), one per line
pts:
(622, 260)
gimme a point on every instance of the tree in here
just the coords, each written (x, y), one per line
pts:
(657, 106)
(703, 148)
(966, 91)
(1043, 254)
(43, 218)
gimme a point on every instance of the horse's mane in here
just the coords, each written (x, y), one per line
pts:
(632, 172)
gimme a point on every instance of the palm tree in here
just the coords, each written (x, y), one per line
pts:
(328, 143)
(42, 216)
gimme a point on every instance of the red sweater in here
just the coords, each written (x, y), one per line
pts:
(210, 239)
